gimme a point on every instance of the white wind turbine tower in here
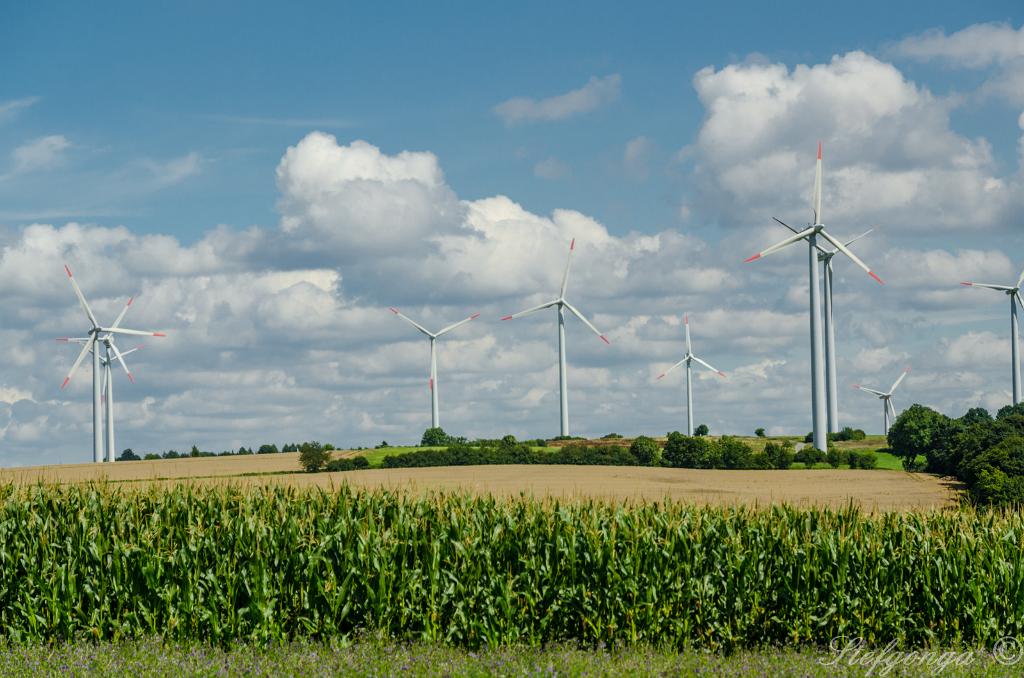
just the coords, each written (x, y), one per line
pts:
(886, 399)
(688, 359)
(98, 333)
(1015, 298)
(810, 234)
(561, 304)
(435, 414)
(107, 392)
(825, 256)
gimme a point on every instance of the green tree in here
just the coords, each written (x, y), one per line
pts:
(195, 452)
(835, 456)
(646, 450)
(735, 453)
(692, 452)
(701, 430)
(917, 430)
(313, 457)
(976, 415)
(128, 455)
(780, 455)
(434, 437)
(759, 432)
(150, 456)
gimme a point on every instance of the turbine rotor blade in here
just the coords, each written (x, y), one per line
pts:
(458, 324)
(410, 321)
(528, 311)
(124, 310)
(869, 390)
(856, 238)
(713, 369)
(134, 333)
(686, 323)
(820, 248)
(565, 276)
(891, 407)
(586, 322)
(1001, 288)
(899, 380)
(78, 361)
(81, 298)
(662, 375)
(842, 248)
(1020, 280)
(816, 198)
(779, 245)
(120, 359)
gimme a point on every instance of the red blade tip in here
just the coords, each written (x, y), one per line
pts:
(131, 378)
(508, 317)
(393, 310)
(130, 300)
(605, 340)
(661, 375)
(686, 318)
(753, 258)
(819, 150)
(572, 245)
(872, 274)
(68, 270)
(721, 373)
(431, 383)
(159, 334)
(969, 284)
(474, 316)
(65, 383)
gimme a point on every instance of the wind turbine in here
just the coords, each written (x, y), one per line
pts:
(107, 391)
(831, 389)
(688, 359)
(811, 234)
(435, 415)
(886, 399)
(99, 333)
(561, 304)
(1015, 298)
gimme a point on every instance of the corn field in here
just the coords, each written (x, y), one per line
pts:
(256, 565)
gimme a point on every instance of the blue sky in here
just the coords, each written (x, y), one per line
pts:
(236, 83)
(268, 179)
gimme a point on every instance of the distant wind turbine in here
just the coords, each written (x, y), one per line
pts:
(687, 360)
(435, 414)
(810, 234)
(886, 398)
(1014, 294)
(561, 304)
(107, 391)
(99, 333)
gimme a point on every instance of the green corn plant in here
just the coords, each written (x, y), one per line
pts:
(268, 564)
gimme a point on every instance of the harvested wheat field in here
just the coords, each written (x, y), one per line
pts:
(870, 490)
(185, 467)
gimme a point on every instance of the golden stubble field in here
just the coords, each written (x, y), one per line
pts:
(875, 490)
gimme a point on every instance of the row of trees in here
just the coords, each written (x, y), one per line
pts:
(985, 452)
(130, 455)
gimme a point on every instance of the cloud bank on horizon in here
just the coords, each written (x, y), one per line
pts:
(281, 333)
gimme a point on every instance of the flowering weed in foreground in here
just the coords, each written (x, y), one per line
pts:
(150, 657)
